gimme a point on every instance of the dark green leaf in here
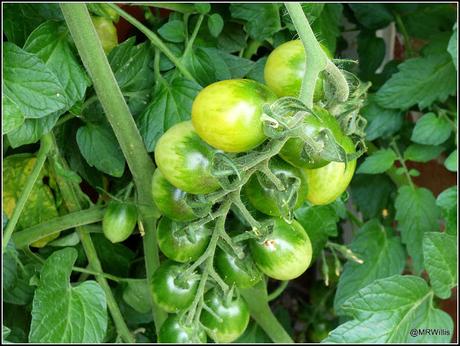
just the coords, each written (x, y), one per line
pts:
(416, 213)
(452, 47)
(422, 153)
(173, 31)
(378, 162)
(137, 294)
(172, 103)
(371, 51)
(326, 27)
(238, 67)
(215, 24)
(232, 39)
(262, 21)
(100, 148)
(207, 66)
(372, 16)
(257, 71)
(447, 201)
(430, 20)
(382, 122)
(431, 130)
(115, 258)
(382, 254)
(203, 8)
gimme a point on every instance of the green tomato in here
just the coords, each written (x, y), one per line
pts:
(119, 221)
(170, 200)
(285, 68)
(174, 331)
(312, 126)
(327, 183)
(285, 253)
(241, 272)
(229, 319)
(179, 243)
(264, 195)
(185, 160)
(227, 114)
(107, 33)
(170, 292)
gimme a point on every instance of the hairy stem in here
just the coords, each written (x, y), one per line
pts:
(45, 146)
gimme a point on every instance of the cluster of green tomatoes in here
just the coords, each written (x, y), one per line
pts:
(227, 119)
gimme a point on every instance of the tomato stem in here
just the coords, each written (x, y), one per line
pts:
(189, 45)
(277, 292)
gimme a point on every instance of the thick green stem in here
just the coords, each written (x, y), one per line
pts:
(45, 146)
(316, 59)
(157, 42)
(124, 127)
(257, 300)
(72, 220)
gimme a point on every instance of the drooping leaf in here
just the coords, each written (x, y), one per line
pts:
(66, 313)
(382, 255)
(416, 213)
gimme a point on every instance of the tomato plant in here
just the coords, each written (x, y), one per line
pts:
(261, 172)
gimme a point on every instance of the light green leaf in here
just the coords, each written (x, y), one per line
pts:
(416, 213)
(451, 161)
(379, 162)
(382, 254)
(387, 310)
(452, 48)
(440, 253)
(420, 81)
(262, 21)
(66, 313)
(431, 130)
(447, 201)
(12, 118)
(202, 8)
(137, 294)
(172, 103)
(30, 84)
(422, 153)
(215, 24)
(173, 31)
(100, 148)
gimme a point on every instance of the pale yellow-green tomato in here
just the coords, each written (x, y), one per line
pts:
(107, 33)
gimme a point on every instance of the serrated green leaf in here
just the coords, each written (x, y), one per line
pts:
(422, 153)
(173, 31)
(388, 309)
(232, 39)
(451, 162)
(215, 24)
(383, 256)
(416, 213)
(237, 66)
(30, 84)
(262, 21)
(440, 253)
(62, 313)
(13, 117)
(172, 103)
(21, 292)
(100, 148)
(431, 130)
(420, 81)
(379, 162)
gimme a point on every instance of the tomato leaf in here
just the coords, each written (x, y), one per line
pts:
(452, 47)
(137, 295)
(422, 153)
(440, 253)
(371, 51)
(431, 129)
(451, 161)
(326, 26)
(416, 213)
(13, 117)
(173, 31)
(379, 162)
(397, 305)
(447, 201)
(383, 256)
(215, 24)
(372, 16)
(83, 306)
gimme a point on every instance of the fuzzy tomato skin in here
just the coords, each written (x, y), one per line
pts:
(235, 271)
(170, 200)
(119, 221)
(185, 160)
(227, 114)
(173, 331)
(107, 33)
(285, 253)
(169, 293)
(292, 150)
(285, 69)
(327, 183)
(233, 314)
(179, 245)
(264, 198)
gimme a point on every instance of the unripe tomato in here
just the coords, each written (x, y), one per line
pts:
(174, 331)
(185, 160)
(229, 319)
(267, 198)
(241, 272)
(312, 126)
(169, 199)
(119, 221)
(171, 292)
(327, 183)
(285, 68)
(227, 114)
(179, 244)
(107, 33)
(285, 253)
